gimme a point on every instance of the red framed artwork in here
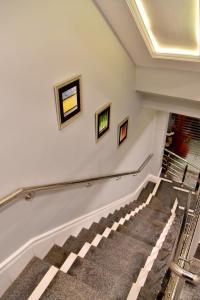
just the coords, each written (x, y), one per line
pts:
(122, 131)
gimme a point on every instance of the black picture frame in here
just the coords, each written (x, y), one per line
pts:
(122, 131)
(102, 121)
(68, 100)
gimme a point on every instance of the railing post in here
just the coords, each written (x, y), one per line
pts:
(198, 183)
(167, 163)
(184, 174)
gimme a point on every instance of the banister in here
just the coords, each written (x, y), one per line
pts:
(186, 161)
(27, 191)
(184, 274)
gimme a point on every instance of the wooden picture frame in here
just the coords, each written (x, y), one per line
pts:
(102, 118)
(68, 100)
(123, 131)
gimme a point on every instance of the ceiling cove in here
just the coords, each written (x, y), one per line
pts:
(170, 29)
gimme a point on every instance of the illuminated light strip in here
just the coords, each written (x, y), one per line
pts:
(166, 50)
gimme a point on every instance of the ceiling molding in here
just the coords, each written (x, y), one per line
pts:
(141, 18)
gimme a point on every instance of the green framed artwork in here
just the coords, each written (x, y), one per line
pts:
(68, 100)
(102, 121)
(122, 131)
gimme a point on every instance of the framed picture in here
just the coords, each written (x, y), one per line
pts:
(102, 121)
(122, 131)
(68, 100)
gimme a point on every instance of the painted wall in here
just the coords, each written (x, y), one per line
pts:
(42, 43)
(166, 82)
(172, 104)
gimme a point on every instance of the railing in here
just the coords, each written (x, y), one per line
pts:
(28, 192)
(178, 266)
(181, 170)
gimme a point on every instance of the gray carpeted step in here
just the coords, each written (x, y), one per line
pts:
(166, 193)
(86, 235)
(73, 244)
(26, 282)
(159, 205)
(149, 214)
(138, 224)
(96, 227)
(150, 186)
(109, 285)
(66, 287)
(113, 263)
(150, 234)
(105, 222)
(56, 256)
(153, 284)
(125, 247)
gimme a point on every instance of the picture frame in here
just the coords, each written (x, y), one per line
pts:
(102, 120)
(123, 131)
(68, 100)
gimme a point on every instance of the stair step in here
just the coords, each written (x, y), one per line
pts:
(56, 256)
(66, 287)
(112, 262)
(149, 233)
(109, 285)
(160, 205)
(150, 214)
(26, 282)
(166, 193)
(127, 247)
(73, 244)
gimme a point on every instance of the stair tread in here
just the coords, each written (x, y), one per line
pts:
(56, 256)
(65, 287)
(86, 235)
(127, 248)
(166, 193)
(73, 244)
(109, 285)
(26, 282)
(148, 235)
(150, 215)
(113, 263)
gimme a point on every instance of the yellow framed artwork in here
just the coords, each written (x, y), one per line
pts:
(68, 100)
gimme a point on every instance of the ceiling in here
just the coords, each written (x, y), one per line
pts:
(156, 33)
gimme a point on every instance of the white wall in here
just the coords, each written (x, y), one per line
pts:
(172, 104)
(166, 82)
(42, 43)
(161, 125)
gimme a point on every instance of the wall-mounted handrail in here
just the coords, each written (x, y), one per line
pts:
(27, 191)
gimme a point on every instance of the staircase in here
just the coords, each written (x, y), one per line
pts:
(124, 256)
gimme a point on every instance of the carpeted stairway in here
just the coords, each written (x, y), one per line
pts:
(125, 255)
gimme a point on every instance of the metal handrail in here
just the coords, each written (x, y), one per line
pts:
(27, 192)
(186, 161)
(180, 272)
(181, 254)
